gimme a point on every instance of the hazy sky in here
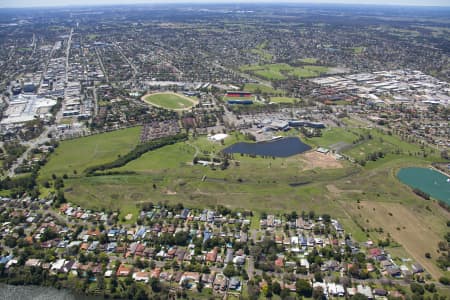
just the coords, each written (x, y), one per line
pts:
(33, 3)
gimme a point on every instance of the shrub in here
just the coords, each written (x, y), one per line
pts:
(444, 280)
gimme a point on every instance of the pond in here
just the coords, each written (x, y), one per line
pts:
(430, 181)
(283, 147)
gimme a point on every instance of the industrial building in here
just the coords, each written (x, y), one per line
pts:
(24, 108)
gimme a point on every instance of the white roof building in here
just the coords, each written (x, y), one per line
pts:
(57, 265)
(26, 107)
(218, 137)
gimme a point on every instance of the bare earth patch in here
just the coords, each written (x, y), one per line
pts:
(170, 192)
(314, 159)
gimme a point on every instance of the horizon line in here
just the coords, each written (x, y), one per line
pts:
(220, 2)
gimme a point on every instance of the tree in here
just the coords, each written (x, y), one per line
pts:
(10, 241)
(129, 280)
(200, 286)
(417, 288)
(253, 290)
(140, 294)
(267, 291)
(155, 284)
(21, 232)
(285, 293)
(48, 234)
(303, 288)
(114, 281)
(229, 270)
(103, 239)
(359, 296)
(100, 282)
(181, 238)
(444, 280)
(318, 294)
(430, 287)
(318, 276)
(60, 198)
(276, 288)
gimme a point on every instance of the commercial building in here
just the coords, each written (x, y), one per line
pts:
(24, 108)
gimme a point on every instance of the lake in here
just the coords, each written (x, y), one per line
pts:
(279, 148)
(429, 181)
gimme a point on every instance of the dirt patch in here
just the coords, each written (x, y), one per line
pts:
(169, 192)
(405, 228)
(314, 159)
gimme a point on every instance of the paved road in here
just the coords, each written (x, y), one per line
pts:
(197, 151)
(31, 145)
(119, 49)
(94, 91)
(254, 235)
(251, 267)
(69, 42)
(101, 64)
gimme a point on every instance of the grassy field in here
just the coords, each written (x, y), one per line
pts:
(308, 71)
(92, 37)
(264, 55)
(360, 197)
(308, 60)
(272, 71)
(261, 52)
(392, 146)
(376, 199)
(170, 168)
(401, 222)
(353, 123)
(334, 135)
(170, 101)
(283, 71)
(78, 154)
(358, 50)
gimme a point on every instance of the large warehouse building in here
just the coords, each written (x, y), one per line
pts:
(24, 108)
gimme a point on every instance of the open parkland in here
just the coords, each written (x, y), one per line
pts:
(364, 199)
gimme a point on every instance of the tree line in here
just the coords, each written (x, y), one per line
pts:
(137, 152)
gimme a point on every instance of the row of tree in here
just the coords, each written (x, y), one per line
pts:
(137, 152)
